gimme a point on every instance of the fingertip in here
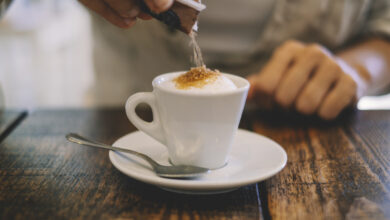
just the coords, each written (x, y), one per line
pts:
(129, 22)
(250, 93)
(159, 5)
(252, 86)
(304, 107)
(283, 98)
(119, 23)
(327, 115)
(134, 12)
(144, 16)
(327, 111)
(253, 80)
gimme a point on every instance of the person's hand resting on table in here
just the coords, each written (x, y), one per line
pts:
(124, 13)
(312, 80)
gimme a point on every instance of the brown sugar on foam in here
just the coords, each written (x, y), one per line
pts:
(196, 77)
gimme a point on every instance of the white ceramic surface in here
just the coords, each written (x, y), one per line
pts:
(197, 128)
(253, 158)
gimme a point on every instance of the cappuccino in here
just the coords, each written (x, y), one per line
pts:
(196, 123)
(199, 80)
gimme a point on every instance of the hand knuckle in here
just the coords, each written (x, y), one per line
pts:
(353, 88)
(337, 69)
(290, 43)
(315, 51)
(353, 85)
(279, 51)
(349, 82)
(331, 64)
(333, 68)
(316, 47)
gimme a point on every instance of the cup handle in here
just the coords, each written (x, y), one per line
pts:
(154, 128)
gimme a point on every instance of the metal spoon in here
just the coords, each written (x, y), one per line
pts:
(178, 172)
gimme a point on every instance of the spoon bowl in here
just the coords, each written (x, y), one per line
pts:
(176, 172)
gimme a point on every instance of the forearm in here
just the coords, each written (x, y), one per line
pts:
(371, 58)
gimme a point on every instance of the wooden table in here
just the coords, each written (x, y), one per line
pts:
(334, 171)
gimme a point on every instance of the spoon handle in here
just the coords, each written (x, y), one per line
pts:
(78, 139)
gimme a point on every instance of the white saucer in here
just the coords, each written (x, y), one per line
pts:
(253, 158)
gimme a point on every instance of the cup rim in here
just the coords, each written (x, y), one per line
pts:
(186, 93)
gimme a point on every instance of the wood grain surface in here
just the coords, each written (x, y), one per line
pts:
(337, 170)
(334, 171)
(43, 176)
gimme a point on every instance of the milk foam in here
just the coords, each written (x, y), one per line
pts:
(220, 84)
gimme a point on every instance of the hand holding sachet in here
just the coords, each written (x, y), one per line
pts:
(183, 15)
(179, 14)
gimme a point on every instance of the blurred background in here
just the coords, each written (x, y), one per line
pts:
(45, 54)
(46, 49)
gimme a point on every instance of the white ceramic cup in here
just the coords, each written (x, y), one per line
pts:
(197, 128)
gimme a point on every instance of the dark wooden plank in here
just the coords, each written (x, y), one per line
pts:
(43, 176)
(334, 171)
(9, 119)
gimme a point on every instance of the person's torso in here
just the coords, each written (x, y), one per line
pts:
(234, 36)
(231, 27)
